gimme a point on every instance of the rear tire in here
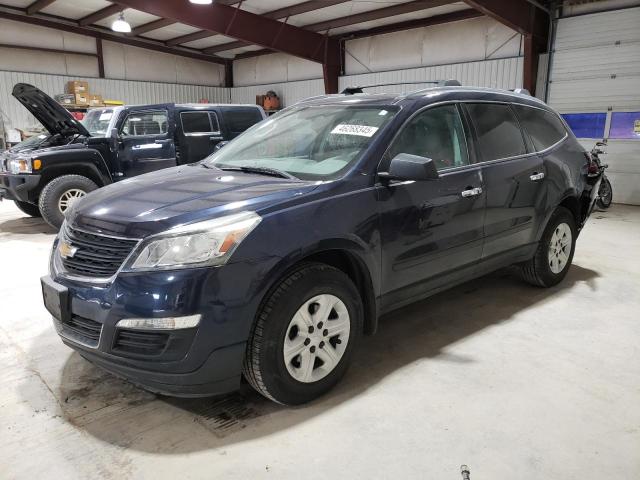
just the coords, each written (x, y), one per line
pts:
(286, 362)
(554, 254)
(29, 208)
(59, 194)
(605, 194)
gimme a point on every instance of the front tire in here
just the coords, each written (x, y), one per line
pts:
(554, 254)
(304, 335)
(28, 208)
(59, 194)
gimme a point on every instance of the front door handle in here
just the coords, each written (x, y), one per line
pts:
(536, 177)
(471, 192)
(162, 142)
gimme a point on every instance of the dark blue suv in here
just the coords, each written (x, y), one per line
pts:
(270, 258)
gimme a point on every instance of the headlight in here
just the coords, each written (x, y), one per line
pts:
(19, 165)
(211, 242)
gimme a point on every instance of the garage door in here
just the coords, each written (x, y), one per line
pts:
(595, 84)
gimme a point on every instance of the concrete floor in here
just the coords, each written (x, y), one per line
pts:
(514, 381)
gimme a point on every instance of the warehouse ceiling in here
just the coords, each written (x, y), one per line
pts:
(333, 18)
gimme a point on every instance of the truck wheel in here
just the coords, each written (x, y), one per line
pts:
(28, 208)
(304, 335)
(553, 257)
(59, 194)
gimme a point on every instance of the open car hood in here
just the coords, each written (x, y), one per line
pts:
(53, 116)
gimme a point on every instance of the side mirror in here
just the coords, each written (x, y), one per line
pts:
(405, 166)
(114, 139)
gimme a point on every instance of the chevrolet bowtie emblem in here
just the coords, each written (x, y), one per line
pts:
(66, 249)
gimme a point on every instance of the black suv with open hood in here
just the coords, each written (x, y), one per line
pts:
(45, 174)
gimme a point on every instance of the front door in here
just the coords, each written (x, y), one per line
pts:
(431, 231)
(514, 181)
(146, 142)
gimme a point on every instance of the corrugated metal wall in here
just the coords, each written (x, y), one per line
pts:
(596, 69)
(502, 73)
(131, 92)
(289, 92)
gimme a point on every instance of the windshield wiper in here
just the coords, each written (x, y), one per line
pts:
(273, 172)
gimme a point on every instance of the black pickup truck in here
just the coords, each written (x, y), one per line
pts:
(44, 175)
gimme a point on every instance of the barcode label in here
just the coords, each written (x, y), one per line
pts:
(361, 130)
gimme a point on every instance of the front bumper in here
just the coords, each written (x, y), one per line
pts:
(202, 361)
(21, 187)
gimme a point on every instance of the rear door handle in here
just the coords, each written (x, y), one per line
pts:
(162, 142)
(215, 139)
(536, 177)
(471, 192)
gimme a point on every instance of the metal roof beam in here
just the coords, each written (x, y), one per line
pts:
(245, 26)
(38, 5)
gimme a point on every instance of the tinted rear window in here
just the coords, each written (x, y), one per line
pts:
(499, 135)
(544, 128)
(195, 122)
(239, 119)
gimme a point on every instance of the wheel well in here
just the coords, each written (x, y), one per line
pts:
(84, 170)
(356, 270)
(573, 205)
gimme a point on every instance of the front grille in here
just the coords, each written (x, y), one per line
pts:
(82, 330)
(140, 343)
(96, 255)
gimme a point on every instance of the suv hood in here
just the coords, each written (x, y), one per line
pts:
(53, 116)
(154, 202)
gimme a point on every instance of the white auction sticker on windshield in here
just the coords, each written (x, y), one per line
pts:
(105, 116)
(361, 130)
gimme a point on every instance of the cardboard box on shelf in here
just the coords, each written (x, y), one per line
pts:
(95, 100)
(77, 86)
(81, 99)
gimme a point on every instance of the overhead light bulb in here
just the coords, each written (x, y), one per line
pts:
(202, 2)
(121, 25)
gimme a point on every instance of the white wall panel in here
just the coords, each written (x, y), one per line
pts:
(502, 73)
(131, 92)
(273, 68)
(289, 92)
(14, 59)
(457, 42)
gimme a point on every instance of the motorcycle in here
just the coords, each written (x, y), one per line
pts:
(605, 192)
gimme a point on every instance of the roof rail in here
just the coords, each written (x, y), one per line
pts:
(522, 91)
(436, 83)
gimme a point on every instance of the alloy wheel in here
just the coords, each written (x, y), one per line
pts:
(69, 197)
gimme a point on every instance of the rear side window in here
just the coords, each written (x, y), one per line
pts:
(544, 128)
(498, 131)
(199, 122)
(239, 119)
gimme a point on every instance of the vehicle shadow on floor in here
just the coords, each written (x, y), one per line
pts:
(25, 226)
(117, 412)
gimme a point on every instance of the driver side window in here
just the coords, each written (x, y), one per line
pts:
(435, 133)
(145, 123)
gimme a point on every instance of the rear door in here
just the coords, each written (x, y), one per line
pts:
(146, 140)
(431, 231)
(198, 134)
(514, 179)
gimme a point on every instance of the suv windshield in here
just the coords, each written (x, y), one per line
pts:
(96, 121)
(310, 143)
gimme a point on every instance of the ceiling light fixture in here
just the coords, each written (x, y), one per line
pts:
(202, 2)
(121, 25)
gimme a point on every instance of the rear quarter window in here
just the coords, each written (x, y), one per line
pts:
(240, 119)
(544, 128)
